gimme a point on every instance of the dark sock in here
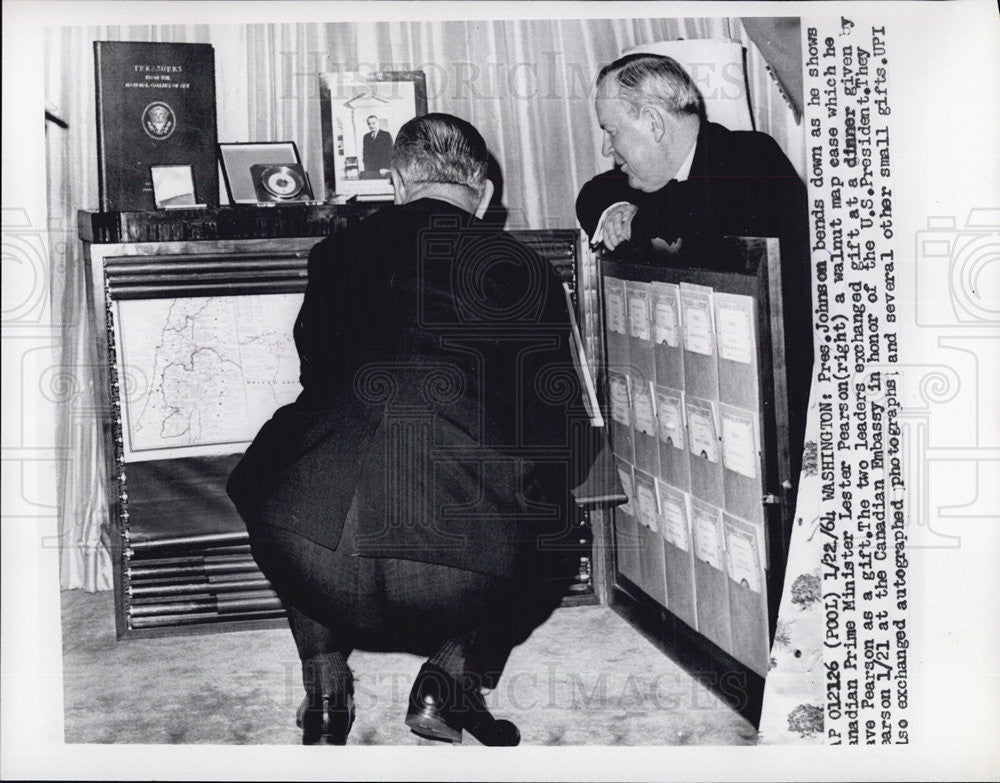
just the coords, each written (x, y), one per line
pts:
(327, 674)
(453, 656)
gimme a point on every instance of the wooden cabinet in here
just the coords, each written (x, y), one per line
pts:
(194, 312)
(696, 368)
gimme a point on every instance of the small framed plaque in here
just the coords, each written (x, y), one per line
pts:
(264, 173)
(173, 186)
(360, 116)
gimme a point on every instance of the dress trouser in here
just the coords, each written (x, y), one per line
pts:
(468, 622)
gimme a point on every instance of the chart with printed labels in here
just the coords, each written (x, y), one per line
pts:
(689, 380)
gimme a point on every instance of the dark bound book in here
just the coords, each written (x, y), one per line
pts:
(155, 106)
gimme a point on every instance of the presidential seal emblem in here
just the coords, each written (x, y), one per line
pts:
(158, 120)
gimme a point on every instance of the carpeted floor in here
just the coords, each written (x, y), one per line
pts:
(584, 678)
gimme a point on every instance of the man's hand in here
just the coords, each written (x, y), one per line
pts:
(615, 225)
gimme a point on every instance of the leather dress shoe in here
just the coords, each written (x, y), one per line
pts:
(441, 708)
(326, 719)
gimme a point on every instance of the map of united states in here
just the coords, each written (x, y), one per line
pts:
(204, 371)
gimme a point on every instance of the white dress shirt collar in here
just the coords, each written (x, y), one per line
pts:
(685, 170)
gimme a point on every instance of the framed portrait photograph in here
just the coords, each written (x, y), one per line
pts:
(361, 115)
(264, 172)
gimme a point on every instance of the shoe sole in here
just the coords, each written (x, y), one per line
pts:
(432, 728)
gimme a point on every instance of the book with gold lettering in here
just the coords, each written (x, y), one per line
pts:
(155, 107)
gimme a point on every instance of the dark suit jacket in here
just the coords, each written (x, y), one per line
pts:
(438, 392)
(377, 152)
(740, 184)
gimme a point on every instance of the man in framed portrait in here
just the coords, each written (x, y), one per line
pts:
(376, 150)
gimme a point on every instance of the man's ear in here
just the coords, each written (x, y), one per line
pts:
(654, 121)
(484, 200)
(398, 187)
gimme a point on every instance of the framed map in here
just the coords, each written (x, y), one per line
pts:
(200, 375)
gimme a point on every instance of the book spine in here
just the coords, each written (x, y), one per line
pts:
(207, 580)
(212, 198)
(203, 539)
(102, 179)
(194, 558)
(194, 570)
(220, 605)
(202, 619)
(209, 586)
(193, 551)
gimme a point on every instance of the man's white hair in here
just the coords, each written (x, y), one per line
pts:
(441, 148)
(643, 79)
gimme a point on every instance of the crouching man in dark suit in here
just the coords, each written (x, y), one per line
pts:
(414, 496)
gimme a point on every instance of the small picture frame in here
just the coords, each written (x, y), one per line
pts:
(173, 186)
(267, 172)
(360, 116)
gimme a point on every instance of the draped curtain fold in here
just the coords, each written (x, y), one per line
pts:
(525, 84)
